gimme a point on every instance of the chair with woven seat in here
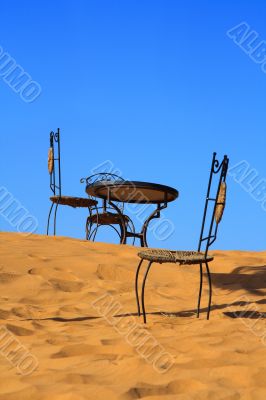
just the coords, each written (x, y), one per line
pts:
(106, 215)
(54, 168)
(216, 197)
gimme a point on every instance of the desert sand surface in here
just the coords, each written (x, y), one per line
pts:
(53, 294)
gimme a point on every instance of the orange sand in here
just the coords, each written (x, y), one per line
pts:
(47, 289)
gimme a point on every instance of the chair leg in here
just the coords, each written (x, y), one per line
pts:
(88, 229)
(48, 221)
(95, 231)
(55, 215)
(92, 233)
(210, 290)
(136, 285)
(123, 235)
(143, 292)
(200, 291)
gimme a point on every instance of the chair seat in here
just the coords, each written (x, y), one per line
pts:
(177, 257)
(73, 201)
(107, 218)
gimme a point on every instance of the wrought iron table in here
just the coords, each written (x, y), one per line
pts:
(133, 192)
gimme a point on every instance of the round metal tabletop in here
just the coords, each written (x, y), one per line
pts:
(133, 192)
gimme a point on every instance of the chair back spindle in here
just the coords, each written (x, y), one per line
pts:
(217, 197)
(54, 163)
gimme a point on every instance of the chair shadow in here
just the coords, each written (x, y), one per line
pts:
(251, 279)
(246, 314)
(61, 319)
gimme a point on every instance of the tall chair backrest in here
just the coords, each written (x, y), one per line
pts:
(215, 202)
(54, 163)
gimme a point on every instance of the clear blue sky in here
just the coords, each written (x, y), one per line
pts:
(153, 86)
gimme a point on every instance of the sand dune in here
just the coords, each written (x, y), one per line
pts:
(53, 288)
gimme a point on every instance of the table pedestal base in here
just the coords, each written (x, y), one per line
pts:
(143, 234)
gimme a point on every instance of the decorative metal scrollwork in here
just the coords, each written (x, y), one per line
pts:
(102, 177)
(54, 136)
(217, 166)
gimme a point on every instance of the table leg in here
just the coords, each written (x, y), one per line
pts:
(155, 214)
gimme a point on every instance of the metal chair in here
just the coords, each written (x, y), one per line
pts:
(54, 168)
(217, 198)
(106, 215)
